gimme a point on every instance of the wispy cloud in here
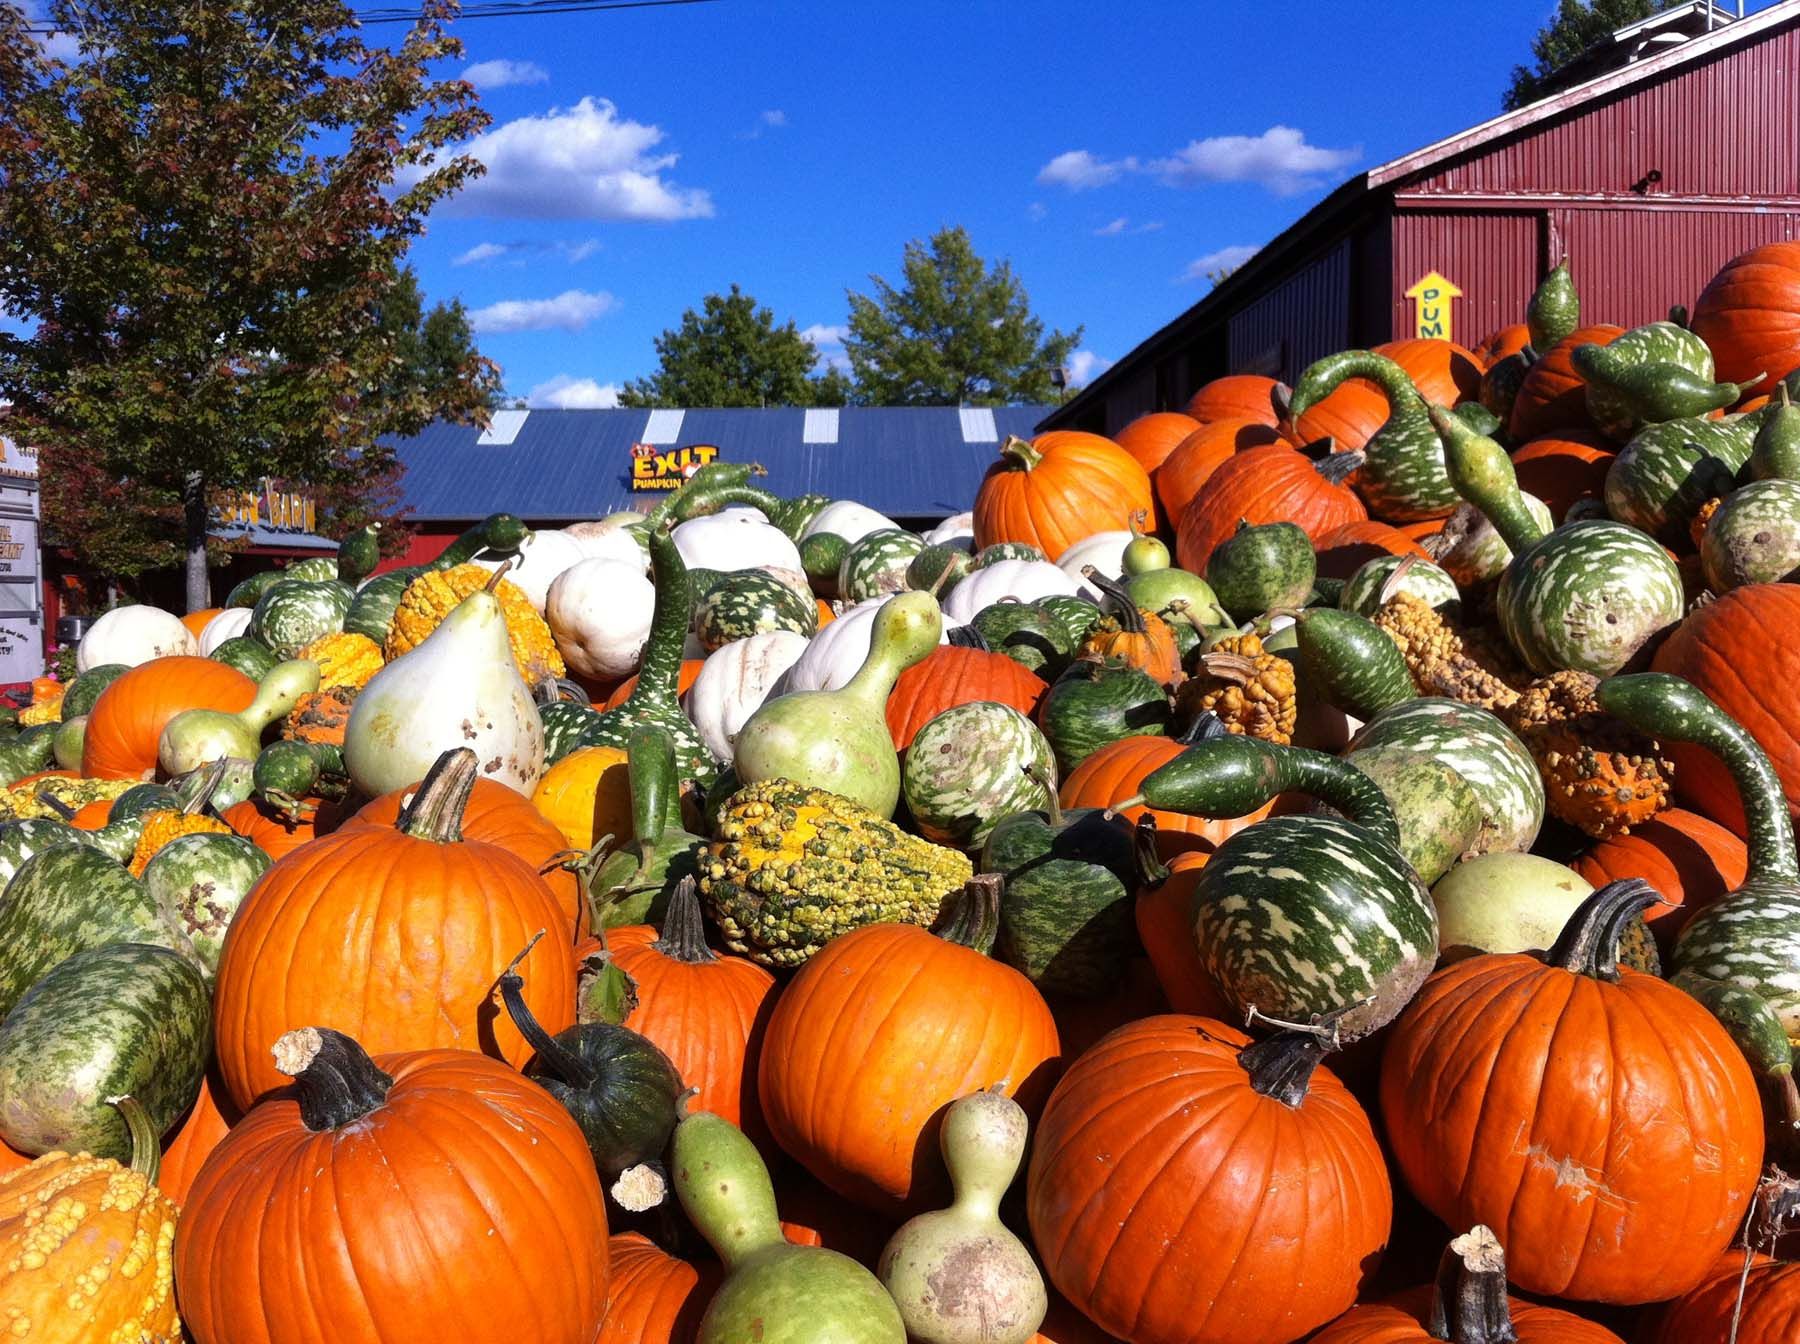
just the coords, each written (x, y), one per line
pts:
(1036, 211)
(1079, 170)
(772, 120)
(502, 74)
(568, 250)
(481, 252)
(1085, 366)
(1112, 228)
(1224, 259)
(571, 310)
(567, 393)
(829, 342)
(1280, 160)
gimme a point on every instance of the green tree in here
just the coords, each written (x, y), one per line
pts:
(731, 353)
(201, 219)
(1576, 26)
(439, 371)
(954, 332)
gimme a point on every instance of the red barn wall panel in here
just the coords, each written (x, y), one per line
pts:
(1304, 318)
(1492, 256)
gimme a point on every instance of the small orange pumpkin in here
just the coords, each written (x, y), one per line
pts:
(587, 795)
(1238, 394)
(1132, 634)
(126, 722)
(1151, 438)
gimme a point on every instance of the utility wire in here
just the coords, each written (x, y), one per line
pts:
(479, 9)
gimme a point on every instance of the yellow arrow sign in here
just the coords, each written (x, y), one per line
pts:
(1431, 294)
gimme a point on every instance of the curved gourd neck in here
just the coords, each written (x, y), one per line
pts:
(279, 691)
(983, 1142)
(670, 616)
(146, 1149)
(1324, 378)
(904, 632)
(1673, 710)
(1483, 475)
(724, 1187)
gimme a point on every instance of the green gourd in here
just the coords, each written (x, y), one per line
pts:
(958, 1275)
(28, 753)
(1555, 309)
(839, 740)
(1095, 703)
(1661, 478)
(66, 745)
(197, 737)
(1753, 536)
(1438, 811)
(496, 534)
(359, 553)
(202, 881)
(1378, 579)
(1775, 452)
(1143, 554)
(822, 556)
(774, 1292)
(706, 480)
(1159, 589)
(937, 569)
(633, 883)
(1402, 476)
(1351, 662)
(1260, 567)
(86, 688)
(1650, 374)
(250, 656)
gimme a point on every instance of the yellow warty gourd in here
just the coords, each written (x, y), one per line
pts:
(345, 659)
(431, 597)
(162, 827)
(24, 801)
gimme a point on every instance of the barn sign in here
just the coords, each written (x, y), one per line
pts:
(1432, 294)
(658, 468)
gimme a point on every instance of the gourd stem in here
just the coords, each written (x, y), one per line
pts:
(335, 1079)
(435, 811)
(1021, 451)
(146, 1151)
(972, 916)
(1052, 803)
(1130, 618)
(1282, 1066)
(683, 935)
(565, 1064)
(1483, 475)
(1205, 728)
(1337, 468)
(1589, 942)
(1468, 1303)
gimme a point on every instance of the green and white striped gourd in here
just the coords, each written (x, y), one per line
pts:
(1775, 452)
(1587, 595)
(1376, 580)
(1402, 477)
(750, 602)
(1471, 551)
(1349, 662)
(1660, 479)
(971, 765)
(1006, 550)
(875, 565)
(291, 615)
(1753, 536)
(1302, 918)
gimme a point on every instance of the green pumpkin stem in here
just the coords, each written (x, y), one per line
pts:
(683, 936)
(1589, 942)
(1021, 451)
(971, 917)
(336, 1081)
(146, 1150)
(435, 811)
(1152, 872)
(1052, 803)
(1468, 1302)
(563, 1063)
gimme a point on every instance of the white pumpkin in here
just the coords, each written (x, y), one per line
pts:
(610, 538)
(744, 513)
(958, 530)
(228, 624)
(729, 540)
(1026, 580)
(735, 680)
(541, 557)
(847, 519)
(1105, 551)
(838, 650)
(599, 614)
(133, 635)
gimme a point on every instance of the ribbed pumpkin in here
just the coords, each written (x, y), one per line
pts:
(1749, 315)
(1164, 915)
(1151, 438)
(1117, 771)
(1597, 1118)
(128, 719)
(1194, 460)
(1507, 340)
(196, 621)
(1344, 550)
(586, 796)
(1690, 860)
(1273, 484)
(883, 1028)
(396, 934)
(690, 668)
(1771, 1310)
(1188, 1186)
(1236, 395)
(1740, 649)
(277, 834)
(200, 1131)
(706, 1010)
(1348, 417)
(423, 1195)
(951, 676)
(1564, 468)
(655, 1298)
(1443, 371)
(1553, 396)
(1058, 489)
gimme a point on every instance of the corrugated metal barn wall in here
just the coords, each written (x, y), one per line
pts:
(1302, 319)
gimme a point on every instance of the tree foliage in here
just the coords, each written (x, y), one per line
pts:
(731, 353)
(1576, 26)
(202, 220)
(954, 331)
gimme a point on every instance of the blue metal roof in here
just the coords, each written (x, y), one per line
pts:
(550, 464)
(261, 534)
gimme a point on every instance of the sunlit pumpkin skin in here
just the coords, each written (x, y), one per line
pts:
(196, 621)
(1444, 372)
(1749, 315)
(1059, 489)
(1771, 1313)
(1191, 464)
(654, 1296)
(1507, 340)
(200, 1131)
(1172, 1201)
(690, 668)
(1165, 924)
(1598, 1119)
(1564, 468)
(276, 833)
(463, 1206)
(1116, 772)
(1742, 651)
(1236, 394)
(1151, 438)
(951, 676)
(1553, 396)
(1404, 1320)
(1344, 550)
(1690, 860)
(587, 796)
(393, 937)
(1348, 417)
(1271, 484)
(127, 721)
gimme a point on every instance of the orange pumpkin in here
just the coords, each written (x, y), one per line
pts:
(127, 721)
(1709, 1311)
(587, 796)
(1690, 861)
(654, 1297)
(1193, 461)
(11, 1159)
(1058, 489)
(1238, 395)
(1553, 396)
(1443, 371)
(826, 617)
(1064, 1325)
(274, 831)
(395, 934)
(1117, 771)
(1268, 485)
(1749, 314)
(1344, 550)
(1564, 468)
(1151, 438)
(690, 668)
(1130, 634)
(951, 676)
(884, 1027)
(1508, 340)
(207, 1122)
(195, 621)
(1165, 924)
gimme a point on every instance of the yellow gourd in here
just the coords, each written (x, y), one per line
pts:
(433, 596)
(587, 796)
(163, 826)
(345, 659)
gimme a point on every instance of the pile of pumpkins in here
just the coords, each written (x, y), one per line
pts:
(1316, 866)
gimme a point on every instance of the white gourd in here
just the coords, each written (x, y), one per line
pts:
(847, 519)
(541, 557)
(228, 624)
(599, 613)
(957, 530)
(837, 651)
(133, 635)
(726, 542)
(1026, 580)
(1105, 551)
(735, 681)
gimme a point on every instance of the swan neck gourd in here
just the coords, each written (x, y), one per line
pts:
(196, 737)
(1483, 475)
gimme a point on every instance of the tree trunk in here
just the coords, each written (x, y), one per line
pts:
(193, 499)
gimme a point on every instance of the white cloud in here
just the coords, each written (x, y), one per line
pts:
(568, 250)
(829, 342)
(567, 393)
(501, 74)
(1112, 229)
(1225, 259)
(571, 310)
(580, 162)
(1278, 159)
(1085, 366)
(573, 252)
(1036, 211)
(772, 120)
(481, 252)
(1078, 170)
(774, 117)
(1149, 226)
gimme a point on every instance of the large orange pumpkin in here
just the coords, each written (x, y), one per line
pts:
(395, 934)
(1507, 340)
(951, 676)
(1348, 418)
(880, 1031)
(1749, 315)
(1598, 1119)
(1553, 397)
(1344, 550)
(1268, 485)
(1740, 650)
(655, 1298)
(1151, 438)
(274, 831)
(1690, 860)
(1117, 771)
(1247, 395)
(1186, 1185)
(1564, 468)
(427, 1195)
(1164, 915)
(1200, 454)
(1771, 1305)
(1443, 371)
(206, 1124)
(1064, 1325)
(127, 721)
(1058, 489)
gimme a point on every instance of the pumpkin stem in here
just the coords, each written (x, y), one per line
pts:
(146, 1151)
(435, 811)
(683, 935)
(1152, 872)
(971, 917)
(968, 637)
(1468, 1303)
(1589, 942)
(335, 1079)
(563, 1063)
(1337, 468)
(1130, 618)
(1203, 729)
(1282, 1066)
(1021, 451)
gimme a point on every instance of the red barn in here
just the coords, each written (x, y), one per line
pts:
(1647, 178)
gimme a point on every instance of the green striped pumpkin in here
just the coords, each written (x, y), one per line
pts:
(1368, 588)
(292, 615)
(972, 765)
(748, 603)
(875, 565)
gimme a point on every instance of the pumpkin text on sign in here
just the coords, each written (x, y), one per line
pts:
(665, 469)
(1432, 297)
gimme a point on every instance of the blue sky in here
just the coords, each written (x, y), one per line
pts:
(642, 159)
